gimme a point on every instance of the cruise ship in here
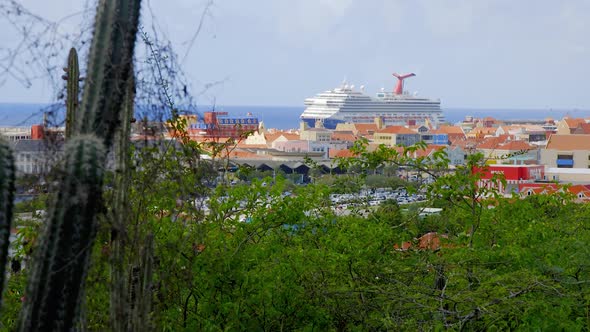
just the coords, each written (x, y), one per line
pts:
(344, 104)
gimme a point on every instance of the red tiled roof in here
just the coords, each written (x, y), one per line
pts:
(492, 143)
(568, 142)
(464, 143)
(483, 130)
(346, 136)
(365, 128)
(429, 149)
(583, 128)
(515, 146)
(450, 130)
(573, 122)
(579, 188)
(341, 153)
(551, 188)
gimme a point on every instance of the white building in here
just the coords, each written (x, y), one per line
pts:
(15, 133)
(34, 156)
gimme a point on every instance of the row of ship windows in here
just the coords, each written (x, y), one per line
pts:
(371, 112)
(375, 109)
(370, 102)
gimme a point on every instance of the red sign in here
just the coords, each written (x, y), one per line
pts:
(513, 172)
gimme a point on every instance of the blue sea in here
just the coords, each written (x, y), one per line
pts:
(281, 117)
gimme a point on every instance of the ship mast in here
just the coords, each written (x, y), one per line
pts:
(399, 87)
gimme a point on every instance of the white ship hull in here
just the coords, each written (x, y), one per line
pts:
(346, 105)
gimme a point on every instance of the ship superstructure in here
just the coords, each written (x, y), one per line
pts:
(345, 104)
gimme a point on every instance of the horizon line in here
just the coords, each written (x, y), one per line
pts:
(483, 108)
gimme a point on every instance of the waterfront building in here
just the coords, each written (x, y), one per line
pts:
(396, 135)
(568, 125)
(435, 137)
(567, 158)
(316, 134)
(581, 192)
(582, 129)
(15, 133)
(34, 157)
(505, 149)
(514, 175)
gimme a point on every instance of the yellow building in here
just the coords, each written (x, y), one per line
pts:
(396, 135)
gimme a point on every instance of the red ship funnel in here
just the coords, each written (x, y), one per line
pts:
(399, 87)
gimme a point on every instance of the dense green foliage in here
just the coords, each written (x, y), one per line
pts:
(295, 265)
(260, 260)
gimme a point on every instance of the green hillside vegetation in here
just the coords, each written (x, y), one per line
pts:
(294, 265)
(149, 243)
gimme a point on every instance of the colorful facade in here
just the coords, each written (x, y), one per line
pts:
(513, 174)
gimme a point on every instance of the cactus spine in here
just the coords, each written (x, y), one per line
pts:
(72, 77)
(6, 201)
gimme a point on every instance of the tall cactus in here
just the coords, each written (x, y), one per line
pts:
(119, 308)
(72, 76)
(140, 288)
(56, 280)
(6, 201)
(56, 283)
(109, 66)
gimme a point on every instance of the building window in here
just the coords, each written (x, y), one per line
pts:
(565, 161)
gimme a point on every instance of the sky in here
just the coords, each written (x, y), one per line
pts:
(468, 53)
